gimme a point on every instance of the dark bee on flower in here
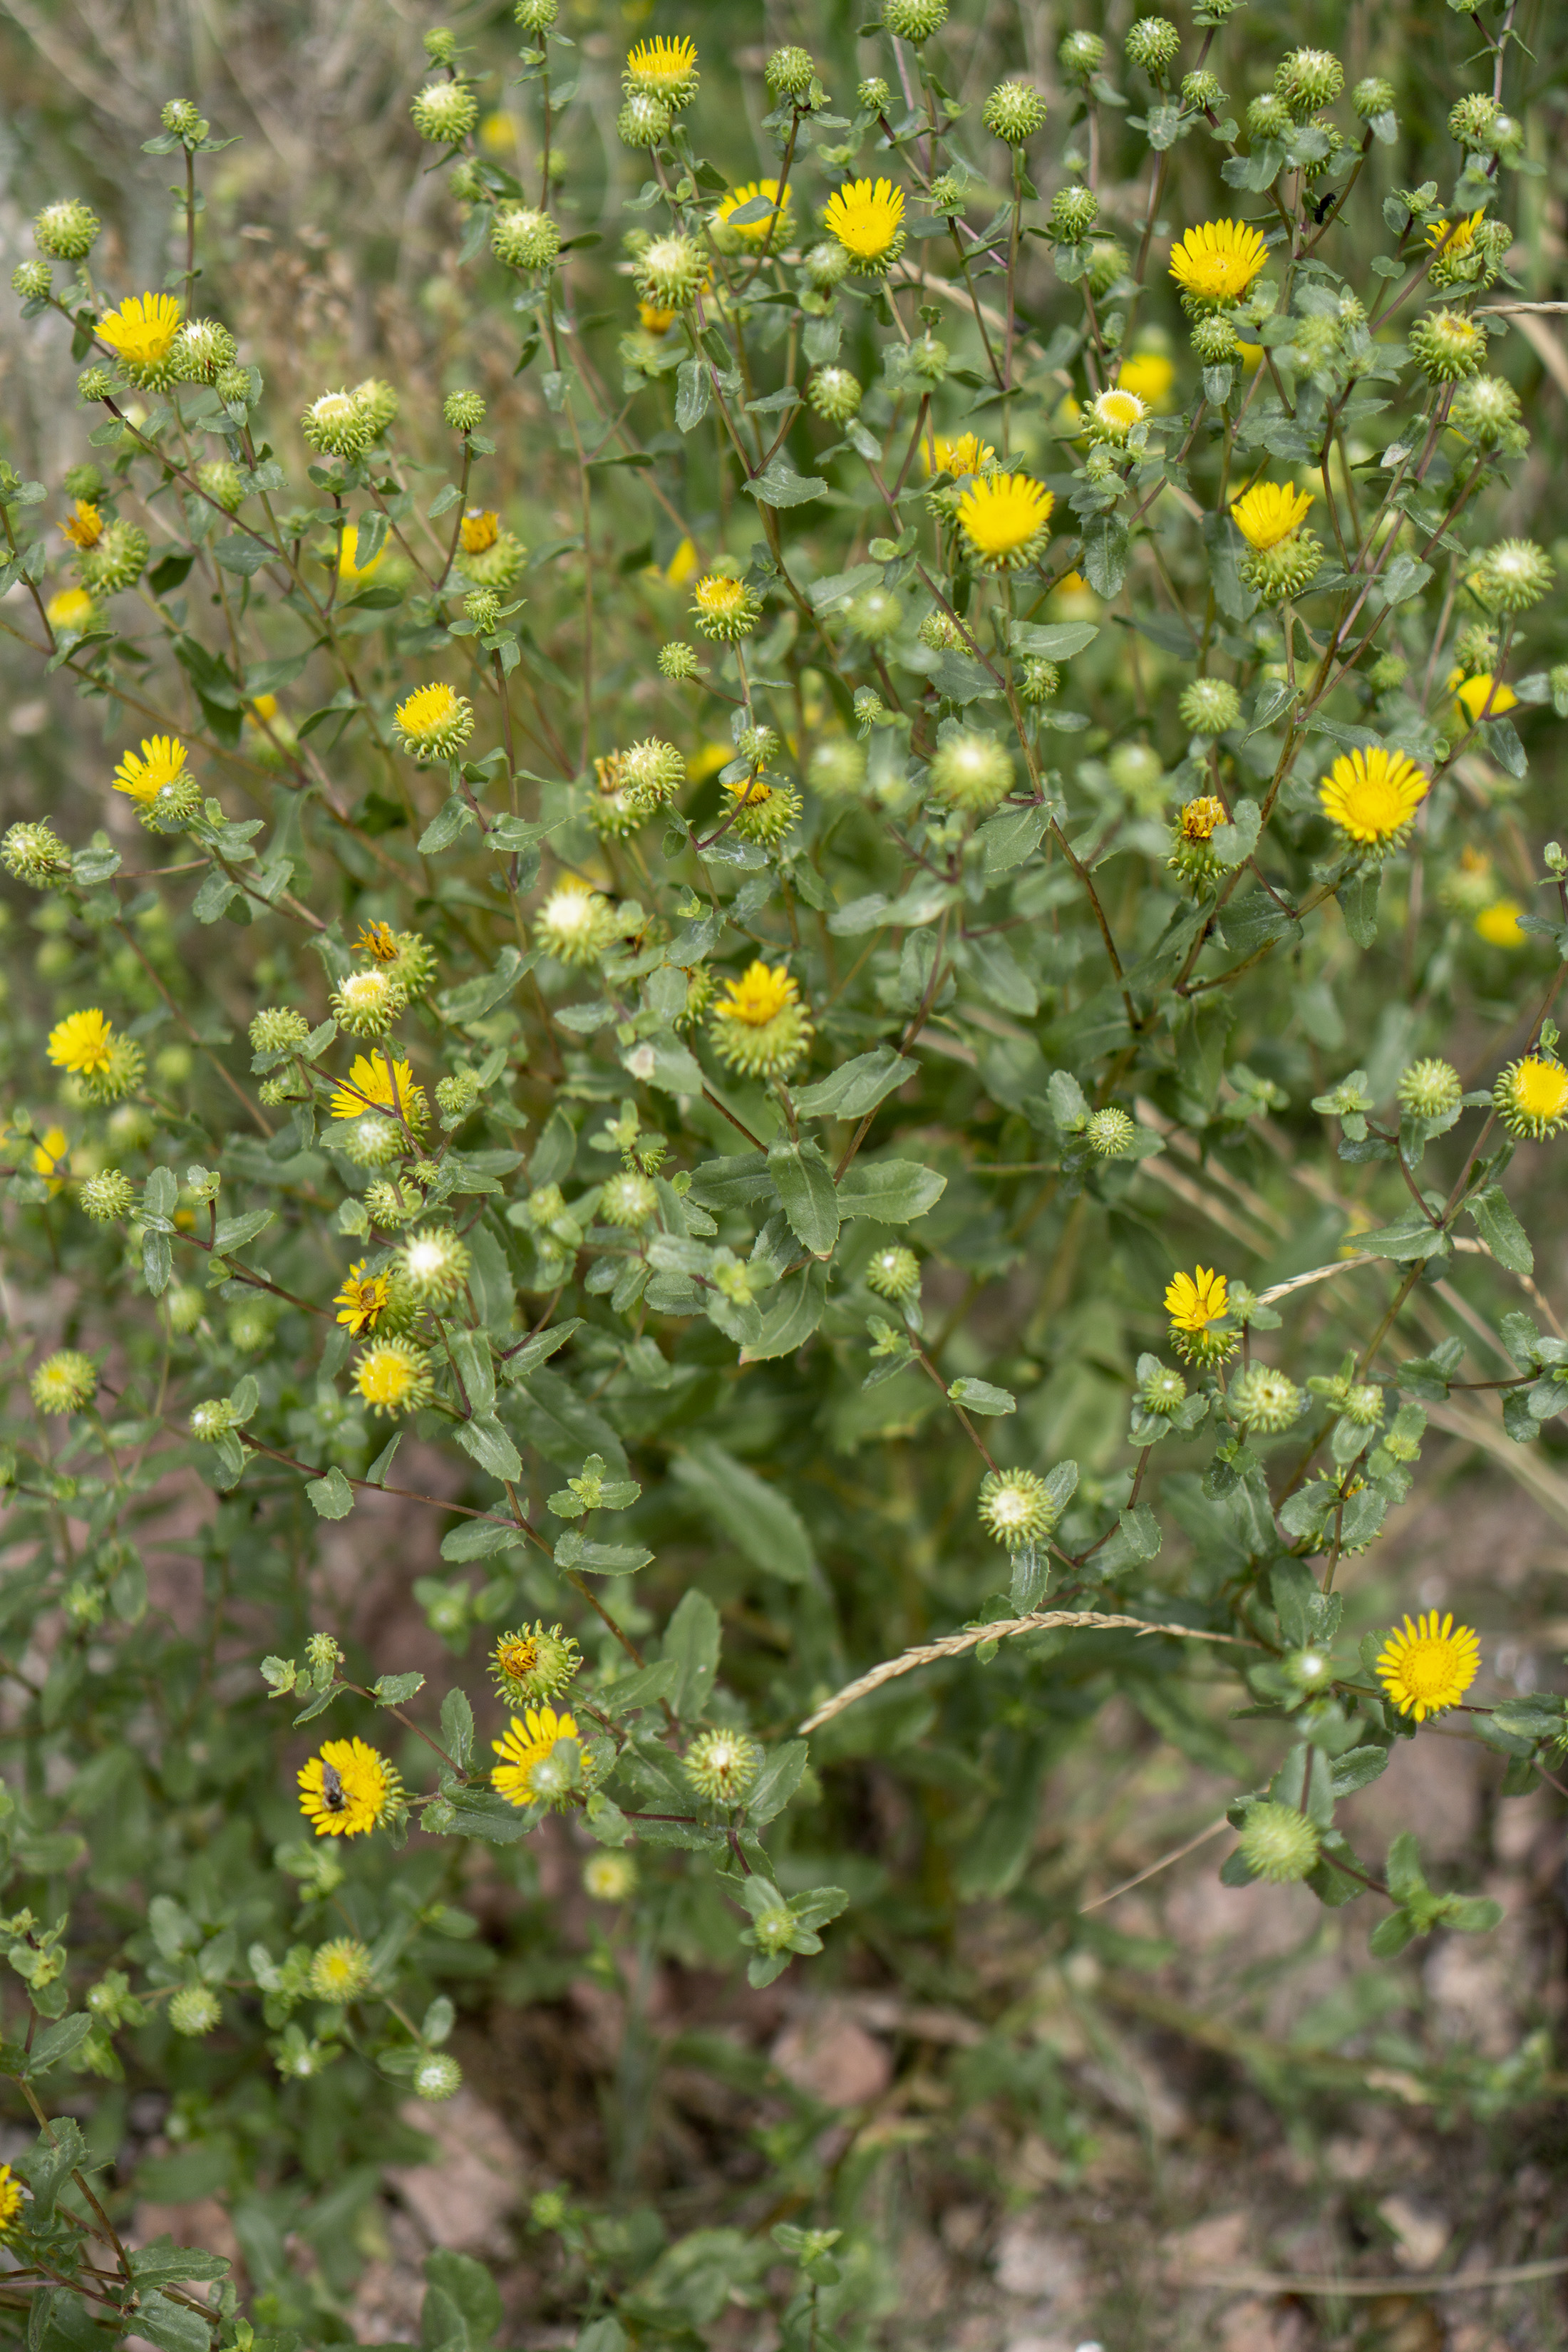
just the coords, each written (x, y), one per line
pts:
(333, 1795)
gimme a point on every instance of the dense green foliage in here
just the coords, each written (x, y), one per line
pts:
(709, 974)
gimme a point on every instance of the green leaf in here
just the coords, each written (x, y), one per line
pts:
(170, 2326)
(1390, 1935)
(761, 1522)
(777, 1783)
(457, 1727)
(691, 1643)
(980, 1396)
(490, 1447)
(57, 2041)
(1357, 895)
(891, 1190)
(781, 486)
(396, 1690)
(805, 1186)
(797, 1308)
(332, 1497)
(477, 1538)
(857, 1086)
(1356, 1767)
(573, 1550)
(1501, 1230)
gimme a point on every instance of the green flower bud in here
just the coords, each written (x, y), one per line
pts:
(219, 478)
(34, 853)
(1276, 573)
(1448, 347)
(873, 96)
(1431, 1089)
(67, 229)
(1473, 120)
(679, 661)
(970, 771)
(433, 1265)
(390, 1206)
(1209, 707)
(235, 387)
(445, 113)
(927, 358)
(833, 393)
(1014, 112)
(653, 772)
(523, 238)
(441, 46)
(336, 424)
(1371, 98)
(203, 349)
(94, 383)
(914, 20)
(1307, 80)
(33, 281)
(117, 562)
(437, 2077)
(463, 411)
(1202, 92)
(630, 1201)
(1108, 261)
(671, 271)
(837, 767)
(894, 1272)
(876, 614)
(1152, 43)
(643, 120)
(277, 1029)
(195, 2009)
(536, 15)
(64, 1382)
(723, 1765)
(180, 117)
(1109, 1132)
(1161, 1390)
(108, 1198)
(1513, 575)
(1016, 1507)
(1081, 56)
(1264, 1399)
(1278, 1843)
(1074, 211)
(1268, 116)
(1037, 682)
(790, 72)
(826, 265)
(482, 606)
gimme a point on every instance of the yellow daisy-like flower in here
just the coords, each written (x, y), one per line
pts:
(141, 776)
(773, 229)
(1483, 696)
(73, 608)
(1194, 1301)
(143, 331)
(371, 1085)
(1428, 1666)
(347, 1789)
(1149, 374)
(340, 1970)
(393, 1375)
(1532, 1096)
(958, 454)
(653, 320)
(51, 1158)
(1213, 264)
(529, 1739)
(1270, 512)
(723, 607)
(664, 68)
(1371, 796)
(1002, 518)
(379, 942)
(761, 992)
(85, 526)
(1199, 819)
(362, 1298)
(435, 721)
(83, 1042)
(1455, 237)
(1498, 924)
(1113, 414)
(866, 218)
(10, 2197)
(479, 529)
(350, 568)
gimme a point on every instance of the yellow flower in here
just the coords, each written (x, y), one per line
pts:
(371, 1085)
(1200, 818)
(761, 992)
(498, 135)
(143, 776)
(1270, 512)
(379, 942)
(73, 608)
(83, 1042)
(347, 1789)
(479, 529)
(143, 329)
(682, 564)
(664, 68)
(1371, 795)
(1217, 262)
(1250, 355)
(1532, 1096)
(1455, 237)
(85, 528)
(435, 721)
(1193, 1300)
(772, 227)
(1428, 1668)
(1485, 695)
(362, 1298)
(653, 320)
(1498, 924)
(349, 565)
(1113, 415)
(524, 1747)
(723, 607)
(392, 1376)
(865, 217)
(1004, 517)
(340, 1970)
(51, 1158)
(10, 2197)
(960, 454)
(1150, 374)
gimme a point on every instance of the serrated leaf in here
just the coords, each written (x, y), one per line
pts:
(332, 1497)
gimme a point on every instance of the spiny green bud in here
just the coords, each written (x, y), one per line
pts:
(970, 771)
(523, 238)
(195, 2009)
(1209, 707)
(1039, 681)
(117, 562)
(463, 411)
(108, 1197)
(1214, 339)
(679, 661)
(1362, 1404)
(1202, 91)
(440, 46)
(774, 1929)
(927, 358)
(83, 482)
(1108, 261)
(482, 606)
(948, 193)
(94, 383)
(437, 2077)
(211, 1419)
(1308, 78)
(1387, 671)
(1278, 1843)
(536, 15)
(837, 767)
(1161, 1388)
(389, 1206)
(1371, 98)
(203, 349)
(235, 387)
(1264, 1399)
(445, 113)
(1473, 119)
(914, 20)
(1513, 575)
(277, 1029)
(653, 772)
(433, 1265)
(643, 120)
(875, 614)
(833, 393)
(1074, 211)
(1013, 111)
(219, 478)
(323, 1654)
(185, 1306)
(64, 1382)
(826, 265)
(1016, 1507)
(1152, 43)
(180, 117)
(873, 96)
(723, 1765)
(67, 229)
(1279, 572)
(336, 422)
(368, 1002)
(894, 1272)
(1448, 347)
(790, 72)
(1430, 1088)
(1268, 116)
(1080, 56)
(1110, 1133)
(1309, 1669)
(32, 281)
(629, 1201)
(455, 1097)
(34, 853)
(671, 271)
